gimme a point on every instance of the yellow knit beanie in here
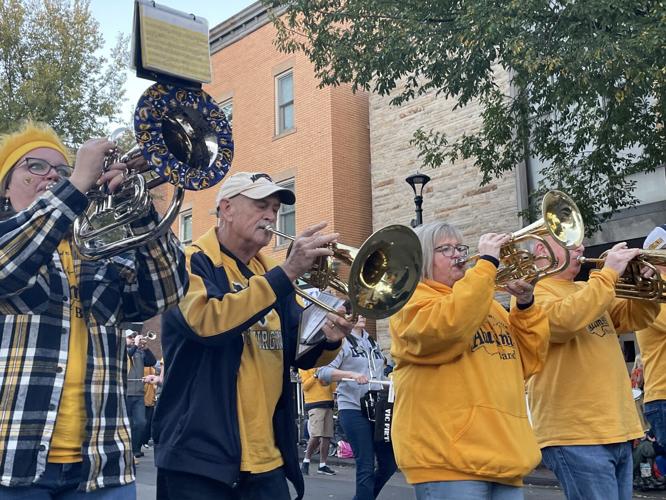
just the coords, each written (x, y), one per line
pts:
(30, 136)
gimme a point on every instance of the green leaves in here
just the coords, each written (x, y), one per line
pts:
(587, 80)
(51, 68)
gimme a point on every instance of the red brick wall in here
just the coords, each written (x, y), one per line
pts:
(328, 155)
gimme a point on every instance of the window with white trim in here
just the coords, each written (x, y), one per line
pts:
(284, 102)
(228, 108)
(286, 219)
(185, 227)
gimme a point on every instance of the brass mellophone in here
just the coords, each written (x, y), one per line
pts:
(561, 220)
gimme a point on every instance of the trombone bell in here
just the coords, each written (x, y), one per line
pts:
(383, 275)
(385, 272)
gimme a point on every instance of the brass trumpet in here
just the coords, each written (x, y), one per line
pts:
(148, 337)
(383, 275)
(561, 219)
(632, 284)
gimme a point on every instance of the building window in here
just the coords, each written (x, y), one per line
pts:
(284, 91)
(185, 227)
(228, 108)
(286, 221)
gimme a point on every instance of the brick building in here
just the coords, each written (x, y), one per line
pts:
(314, 140)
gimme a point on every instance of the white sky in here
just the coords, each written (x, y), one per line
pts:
(116, 17)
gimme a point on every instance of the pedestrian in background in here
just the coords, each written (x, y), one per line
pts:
(319, 407)
(360, 359)
(139, 356)
(150, 379)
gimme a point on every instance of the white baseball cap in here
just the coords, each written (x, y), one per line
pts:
(255, 185)
(656, 240)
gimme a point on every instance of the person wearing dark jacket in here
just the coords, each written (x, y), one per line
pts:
(138, 357)
(224, 426)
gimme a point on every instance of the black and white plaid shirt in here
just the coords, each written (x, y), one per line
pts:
(35, 331)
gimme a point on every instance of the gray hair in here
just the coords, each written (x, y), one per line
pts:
(429, 235)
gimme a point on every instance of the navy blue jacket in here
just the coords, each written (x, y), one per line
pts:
(196, 419)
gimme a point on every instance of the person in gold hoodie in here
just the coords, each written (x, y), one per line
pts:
(652, 343)
(319, 405)
(582, 407)
(460, 427)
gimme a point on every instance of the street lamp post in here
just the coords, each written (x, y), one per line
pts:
(418, 182)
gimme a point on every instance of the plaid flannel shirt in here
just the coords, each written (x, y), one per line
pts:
(35, 331)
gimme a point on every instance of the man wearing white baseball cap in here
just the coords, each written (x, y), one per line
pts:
(652, 343)
(255, 186)
(224, 426)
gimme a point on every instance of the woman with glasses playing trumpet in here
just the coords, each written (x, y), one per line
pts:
(581, 403)
(460, 427)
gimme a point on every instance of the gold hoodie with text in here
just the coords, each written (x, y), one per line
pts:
(652, 343)
(461, 362)
(583, 394)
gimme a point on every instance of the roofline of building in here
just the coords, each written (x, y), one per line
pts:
(250, 19)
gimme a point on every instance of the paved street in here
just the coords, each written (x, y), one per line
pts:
(341, 486)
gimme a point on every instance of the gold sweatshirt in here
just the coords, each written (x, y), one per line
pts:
(461, 359)
(583, 394)
(313, 390)
(652, 342)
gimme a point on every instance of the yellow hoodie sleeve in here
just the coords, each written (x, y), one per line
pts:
(631, 315)
(307, 378)
(212, 307)
(436, 327)
(570, 314)
(531, 330)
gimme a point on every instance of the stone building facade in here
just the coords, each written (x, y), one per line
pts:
(454, 193)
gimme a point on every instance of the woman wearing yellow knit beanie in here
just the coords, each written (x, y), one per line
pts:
(63, 361)
(25, 157)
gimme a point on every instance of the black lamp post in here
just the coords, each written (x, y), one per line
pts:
(418, 182)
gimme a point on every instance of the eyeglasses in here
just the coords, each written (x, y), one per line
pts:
(449, 250)
(41, 167)
(256, 177)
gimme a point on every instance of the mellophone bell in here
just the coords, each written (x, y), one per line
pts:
(185, 140)
(561, 220)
